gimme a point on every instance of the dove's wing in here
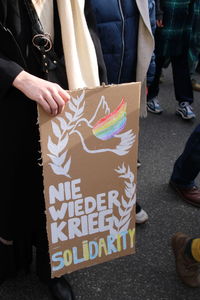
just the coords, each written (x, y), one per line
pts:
(127, 140)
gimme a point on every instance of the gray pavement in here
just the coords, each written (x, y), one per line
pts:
(150, 273)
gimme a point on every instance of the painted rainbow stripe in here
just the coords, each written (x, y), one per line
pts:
(112, 124)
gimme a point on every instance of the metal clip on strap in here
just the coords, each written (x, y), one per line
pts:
(42, 42)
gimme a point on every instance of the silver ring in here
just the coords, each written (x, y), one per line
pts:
(46, 38)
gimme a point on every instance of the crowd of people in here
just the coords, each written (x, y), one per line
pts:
(121, 41)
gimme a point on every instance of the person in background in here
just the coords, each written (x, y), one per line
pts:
(127, 43)
(173, 33)
(186, 168)
(23, 70)
(187, 249)
(152, 66)
(187, 258)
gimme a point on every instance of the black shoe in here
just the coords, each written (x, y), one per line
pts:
(60, 289)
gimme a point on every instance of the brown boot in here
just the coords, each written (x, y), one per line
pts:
(187, 268)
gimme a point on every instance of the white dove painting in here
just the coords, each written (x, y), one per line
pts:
(108, 127)
(89, 158)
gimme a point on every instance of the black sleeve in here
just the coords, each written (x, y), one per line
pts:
(8, 68)
(159, 10)
(8, 72)
(91, 22)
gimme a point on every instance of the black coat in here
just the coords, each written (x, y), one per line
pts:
(22, 204)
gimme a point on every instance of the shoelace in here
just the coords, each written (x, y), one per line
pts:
(156, 103)
(187, 106)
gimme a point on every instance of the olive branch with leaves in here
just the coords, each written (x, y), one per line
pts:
(125, 207)
(60, 163)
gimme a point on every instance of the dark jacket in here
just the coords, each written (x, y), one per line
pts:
(22, 216)
(118, 31)
(174, 37)
(159, 10)
(13, 49)
(152, 67)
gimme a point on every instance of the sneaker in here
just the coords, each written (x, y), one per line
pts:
(141, 217)
(187, 268)
(185, 111)
(153, 106)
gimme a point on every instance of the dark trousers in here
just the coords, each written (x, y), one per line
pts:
(19, 256)
(25, 223)
(187, 166)
(181, 77)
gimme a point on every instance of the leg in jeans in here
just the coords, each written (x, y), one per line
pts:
(153, 89)
(187, 166)
(181, 77)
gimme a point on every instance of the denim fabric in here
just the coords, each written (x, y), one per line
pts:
(152, 67)
(187, 166)
(181, 77)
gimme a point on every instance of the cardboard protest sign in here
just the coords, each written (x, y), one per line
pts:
(89, 155)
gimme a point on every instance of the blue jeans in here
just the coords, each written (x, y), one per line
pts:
(187, 166)
(181, 77)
